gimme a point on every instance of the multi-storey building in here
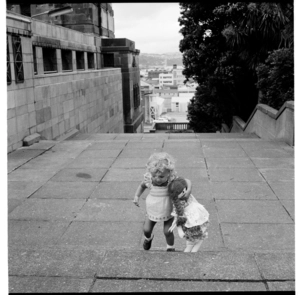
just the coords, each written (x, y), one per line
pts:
(91, 18)
(60, 80)
(175, 77)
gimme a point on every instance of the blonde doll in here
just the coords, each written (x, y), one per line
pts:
(191, 218)
(160, 173)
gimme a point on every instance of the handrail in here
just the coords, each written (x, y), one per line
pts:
(268, 123)
(172, 126)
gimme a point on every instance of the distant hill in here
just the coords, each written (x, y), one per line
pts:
(152, 59)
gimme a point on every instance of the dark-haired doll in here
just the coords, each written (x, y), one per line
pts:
(191, 218)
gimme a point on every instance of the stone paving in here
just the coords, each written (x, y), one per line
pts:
(72, 226)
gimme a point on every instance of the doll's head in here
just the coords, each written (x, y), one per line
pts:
(176, 192)
(161, 167)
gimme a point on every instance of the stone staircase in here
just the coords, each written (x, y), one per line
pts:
(72, 226)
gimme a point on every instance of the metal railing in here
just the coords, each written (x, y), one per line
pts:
(168, 126)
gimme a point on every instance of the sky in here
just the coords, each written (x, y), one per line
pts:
(154, 27)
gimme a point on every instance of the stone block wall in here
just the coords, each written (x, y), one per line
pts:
(269, 123)
(53, 104)
(87, 101)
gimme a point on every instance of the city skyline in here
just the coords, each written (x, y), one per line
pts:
(149, 25)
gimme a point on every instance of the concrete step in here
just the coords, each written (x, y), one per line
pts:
(148, 135)
(252, 271)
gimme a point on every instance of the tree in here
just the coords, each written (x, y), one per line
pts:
(222, 46)
(276, 78)
(261, 28)
(214, 66)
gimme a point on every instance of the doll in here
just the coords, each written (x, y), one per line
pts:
(160, 173)
(191, 218)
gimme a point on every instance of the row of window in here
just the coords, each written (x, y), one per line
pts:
(165, 82)
(50, 64)
(49, 60)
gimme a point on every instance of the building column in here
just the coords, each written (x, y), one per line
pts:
(74, 60)
(39, 60)
(85, 60)
(59, 61)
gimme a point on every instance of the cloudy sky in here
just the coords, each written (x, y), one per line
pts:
(153, 26)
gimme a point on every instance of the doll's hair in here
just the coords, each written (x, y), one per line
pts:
(175, 188)
(161, 161)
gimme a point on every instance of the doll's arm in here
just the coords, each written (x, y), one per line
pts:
(138, 193)
(189, 188)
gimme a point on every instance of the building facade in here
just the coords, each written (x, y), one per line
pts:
(121, 52)
(166, 100)
(91, 18)
(57, 82)
(174, 78)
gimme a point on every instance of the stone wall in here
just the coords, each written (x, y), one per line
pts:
(53, 104)
(89, 102)
(269, 123)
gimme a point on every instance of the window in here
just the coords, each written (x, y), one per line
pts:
(66, 58)
(49, 60)
(34, 60)
(136, 96)
(80, 60)
(91, 60)
(18, 59)
(8, 71)
(25, 9)
(108, 60)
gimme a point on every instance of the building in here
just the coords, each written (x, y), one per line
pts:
(154, 74)
(178, 77)
(121, 53)
(146, 90)
(167, 100)
(175, 77)
(180, 102)
(166, 79)
(91, 18)
(60, 80)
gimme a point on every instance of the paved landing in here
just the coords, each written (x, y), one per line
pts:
(72, 226)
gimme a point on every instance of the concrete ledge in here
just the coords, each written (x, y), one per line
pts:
(31, 139)
(69, 135)
(268, 123)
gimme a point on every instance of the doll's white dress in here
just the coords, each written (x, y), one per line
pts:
(195, 228)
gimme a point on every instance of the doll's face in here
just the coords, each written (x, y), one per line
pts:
(160, 177)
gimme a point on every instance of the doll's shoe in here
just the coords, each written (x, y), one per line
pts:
(147, 244)
(171, 250)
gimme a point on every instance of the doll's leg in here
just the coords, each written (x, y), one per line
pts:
(196, 246)
(189, 246)
(169, 235)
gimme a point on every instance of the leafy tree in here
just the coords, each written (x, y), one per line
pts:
(276, 79)
(222, 45)
(261, 27)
